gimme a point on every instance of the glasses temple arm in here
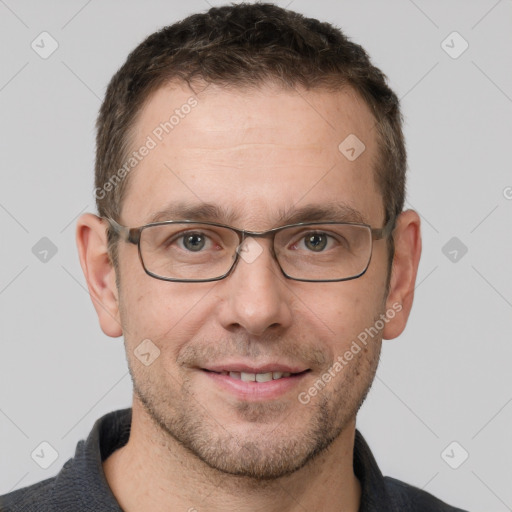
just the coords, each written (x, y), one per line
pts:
(126, 234)
(379, 233)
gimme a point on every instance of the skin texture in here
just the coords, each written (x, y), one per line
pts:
(195, 444)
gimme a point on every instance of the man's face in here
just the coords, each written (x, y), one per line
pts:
(255, 154)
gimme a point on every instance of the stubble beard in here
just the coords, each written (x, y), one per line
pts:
(266, 450)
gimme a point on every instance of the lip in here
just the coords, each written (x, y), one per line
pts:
(247, 368)
(254, 391)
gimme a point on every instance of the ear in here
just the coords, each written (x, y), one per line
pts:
(91, 239)
(407, 238)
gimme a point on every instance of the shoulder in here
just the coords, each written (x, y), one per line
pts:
(81, 483)
(28, 499)
(408, 497)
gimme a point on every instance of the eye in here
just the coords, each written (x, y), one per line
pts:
(193, 241)
(316, 241)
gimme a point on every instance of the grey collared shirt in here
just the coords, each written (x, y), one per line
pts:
(81, 486)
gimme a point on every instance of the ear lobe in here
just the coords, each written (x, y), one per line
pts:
(91, 239)
(407, 237)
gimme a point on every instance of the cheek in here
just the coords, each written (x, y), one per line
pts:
(169, 314)
(340, 311)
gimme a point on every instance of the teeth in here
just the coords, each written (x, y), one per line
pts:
(257, 377)
(263, 377)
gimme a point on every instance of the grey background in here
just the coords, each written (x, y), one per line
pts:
(447, 378)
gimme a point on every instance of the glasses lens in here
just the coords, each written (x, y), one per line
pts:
(187, 251)
(324, 251)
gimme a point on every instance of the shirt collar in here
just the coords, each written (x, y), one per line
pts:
(84, 473)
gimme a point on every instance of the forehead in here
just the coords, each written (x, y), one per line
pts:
(253, 153)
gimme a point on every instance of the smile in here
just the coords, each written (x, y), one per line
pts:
(256, 377)
(258, 384)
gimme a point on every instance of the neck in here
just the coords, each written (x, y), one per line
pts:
(154, 472)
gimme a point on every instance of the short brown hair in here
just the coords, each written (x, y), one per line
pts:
(246, 45)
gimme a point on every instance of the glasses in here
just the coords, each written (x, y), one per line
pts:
(189, 251)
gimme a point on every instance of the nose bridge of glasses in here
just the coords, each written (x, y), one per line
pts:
(250, 248)
(269, 234)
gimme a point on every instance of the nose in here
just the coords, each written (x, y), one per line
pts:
(255, 294)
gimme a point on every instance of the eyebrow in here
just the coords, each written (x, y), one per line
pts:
(329, 212)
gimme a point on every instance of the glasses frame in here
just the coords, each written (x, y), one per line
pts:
(133, 236)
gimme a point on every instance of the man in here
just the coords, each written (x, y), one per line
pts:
(252, 248)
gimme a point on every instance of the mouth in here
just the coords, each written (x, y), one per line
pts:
(257, 376)
(247, 383)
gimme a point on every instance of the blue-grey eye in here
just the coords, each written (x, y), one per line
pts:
(194, 242)
(316, 241)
